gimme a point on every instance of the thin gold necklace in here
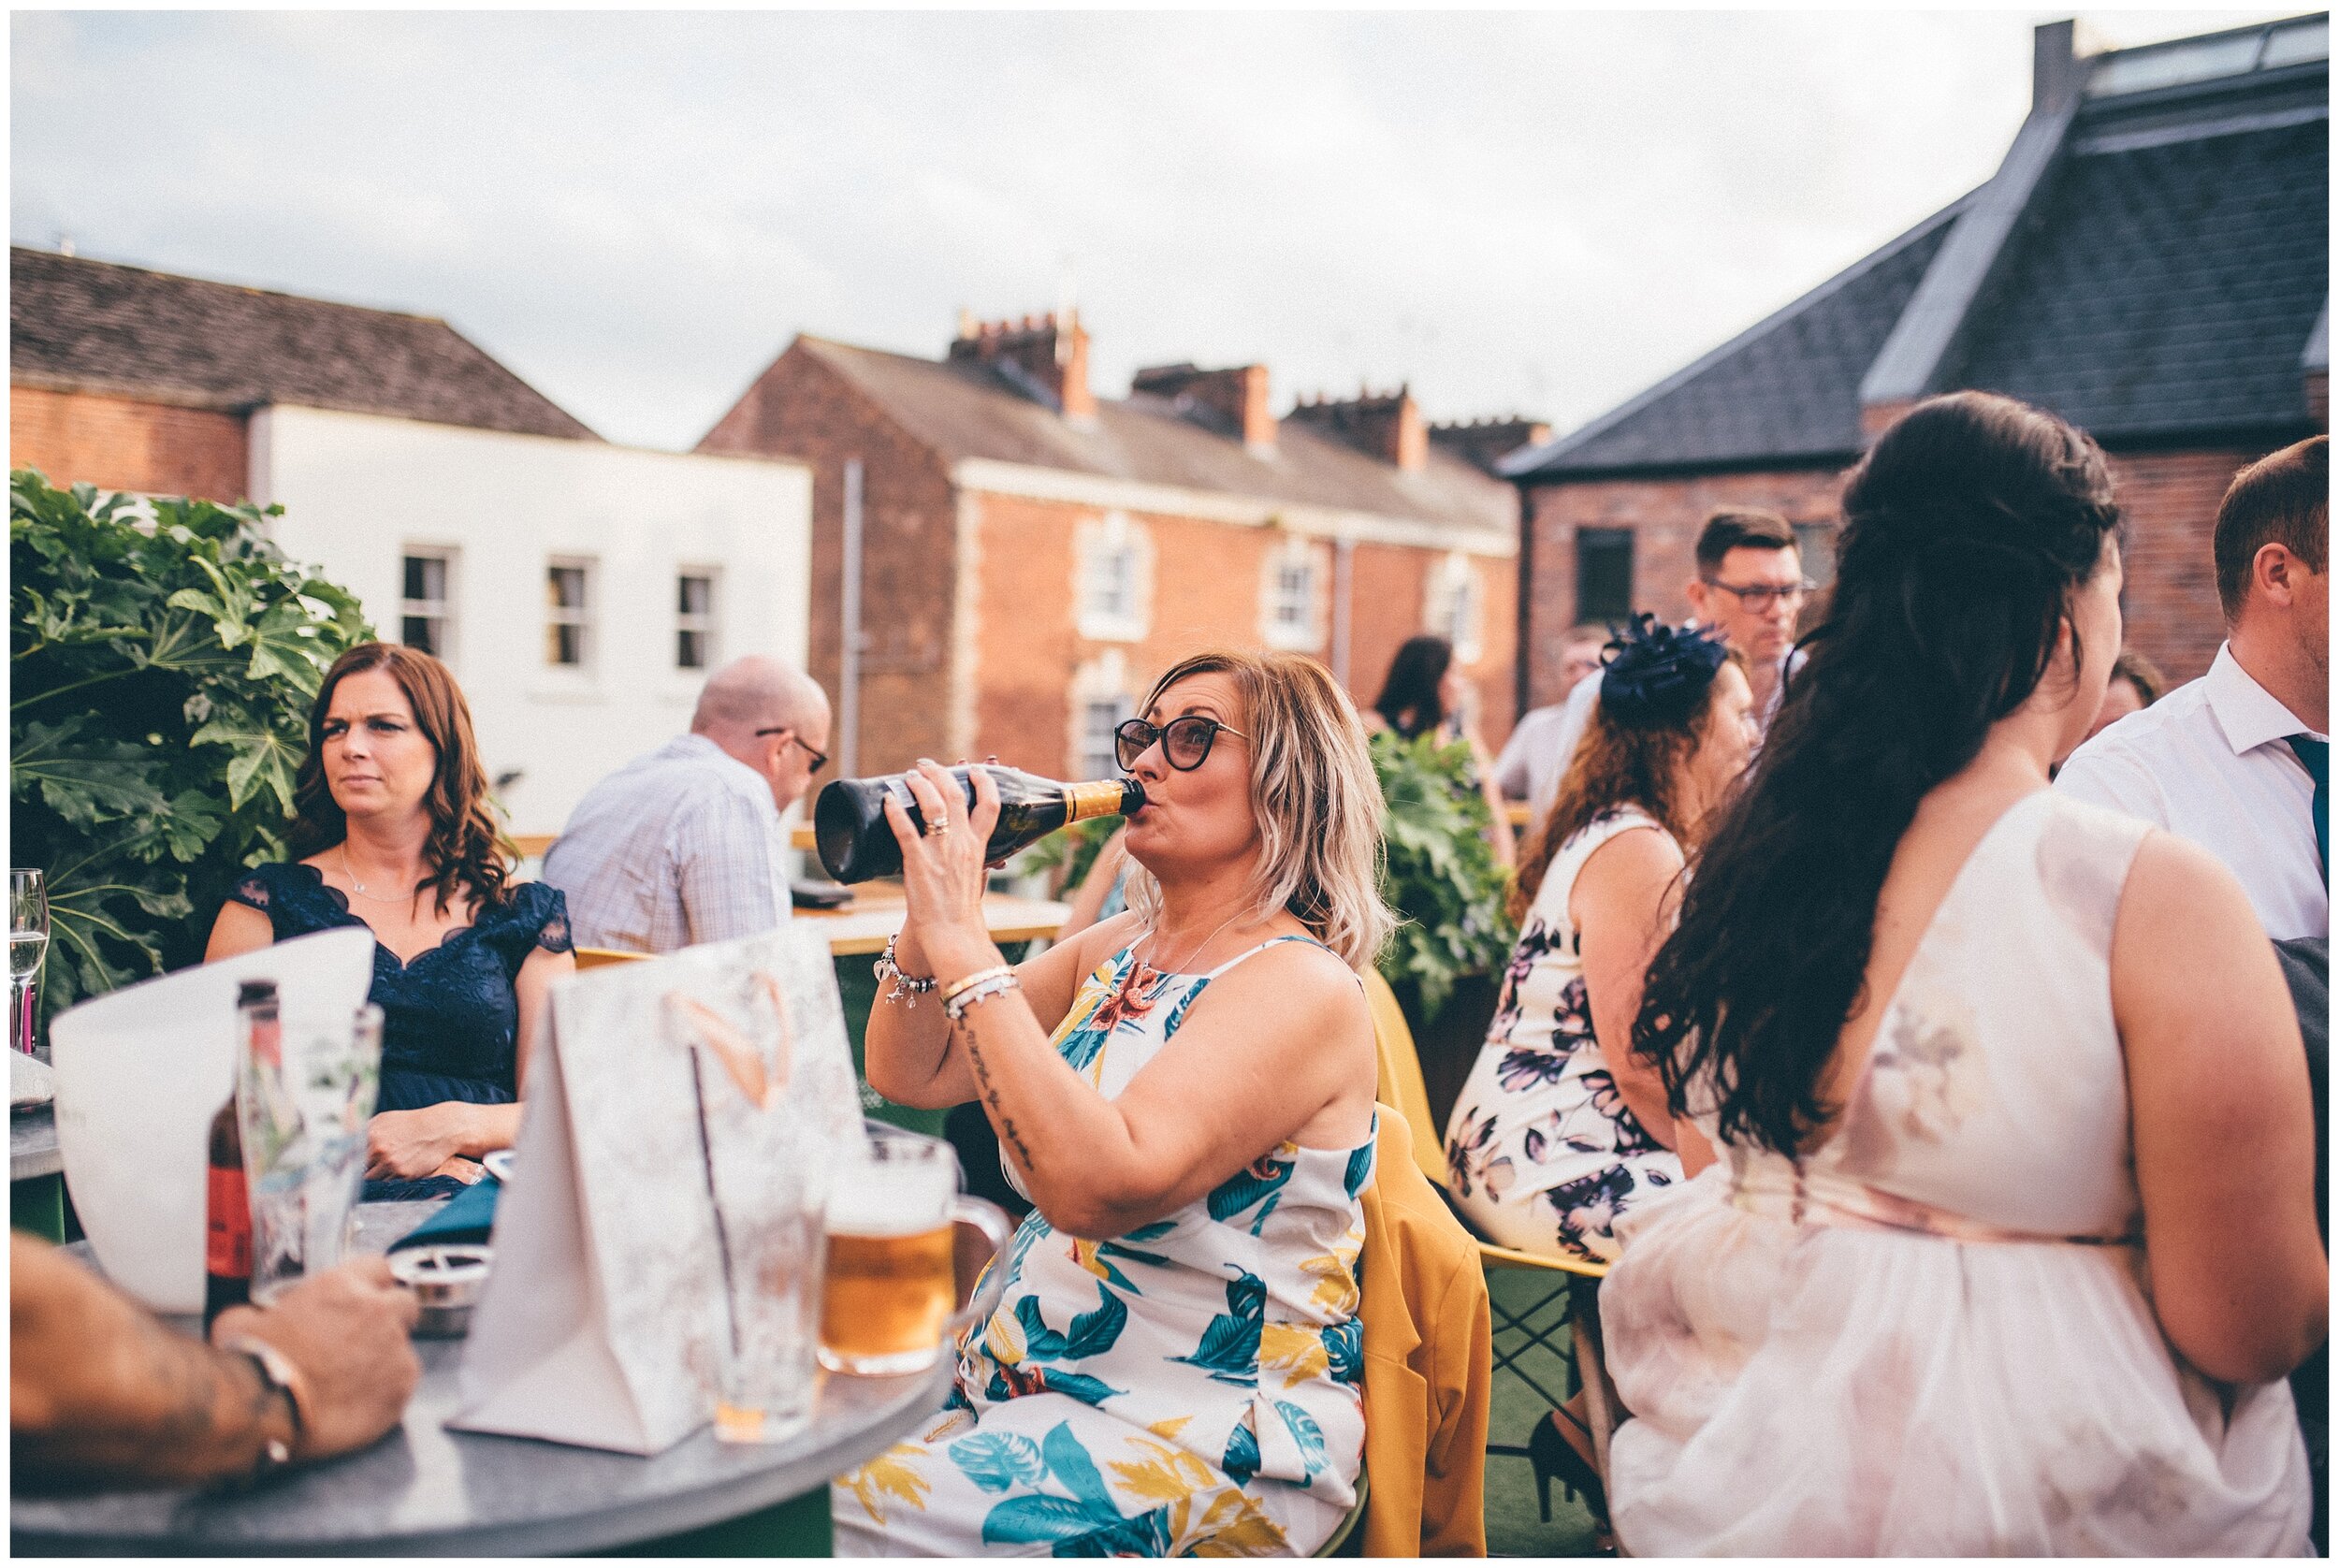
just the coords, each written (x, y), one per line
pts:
(349, 871)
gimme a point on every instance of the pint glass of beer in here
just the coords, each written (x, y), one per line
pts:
(892, 1279)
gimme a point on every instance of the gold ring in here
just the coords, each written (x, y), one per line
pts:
(938, 830)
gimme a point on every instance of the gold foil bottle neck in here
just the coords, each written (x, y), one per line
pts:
(1084, 801)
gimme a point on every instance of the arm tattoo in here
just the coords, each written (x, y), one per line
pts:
(990, 1093)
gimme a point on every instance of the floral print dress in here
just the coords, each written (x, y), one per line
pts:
(1189, 1390)
(1541, 1154)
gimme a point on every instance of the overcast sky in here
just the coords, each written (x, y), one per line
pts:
(1537, 214)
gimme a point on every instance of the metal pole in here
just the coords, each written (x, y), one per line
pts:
(849, 652)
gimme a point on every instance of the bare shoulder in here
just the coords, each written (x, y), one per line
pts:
(1292, 982)
(2186, 937)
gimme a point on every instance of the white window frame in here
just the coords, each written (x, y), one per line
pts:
(707, 623)
(1092, 754)
(581, 615)
(1112, 579)
(1279, 598)
(1457, 607)
(440, 610)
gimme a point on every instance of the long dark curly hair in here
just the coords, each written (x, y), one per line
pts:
(1967, 530)
(466, 848)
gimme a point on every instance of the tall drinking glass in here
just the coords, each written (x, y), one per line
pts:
(303, 1100)
(772, 1250)
(892, 1281)
(28, 945)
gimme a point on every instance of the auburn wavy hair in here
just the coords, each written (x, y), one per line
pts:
(1314, 792)
(1618, 764)
(466, 848)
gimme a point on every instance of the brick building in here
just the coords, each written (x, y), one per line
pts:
(1020, 558)
(2151, 261)
(579, 590)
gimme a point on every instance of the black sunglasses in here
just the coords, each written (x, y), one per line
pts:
(819, 758)
(1185, 742)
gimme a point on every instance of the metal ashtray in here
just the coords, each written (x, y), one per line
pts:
(446, 1280)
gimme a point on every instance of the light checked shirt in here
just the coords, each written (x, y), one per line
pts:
(678, 848)
(2211, 762)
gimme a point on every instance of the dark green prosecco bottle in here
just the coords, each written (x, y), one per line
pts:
(857, 843)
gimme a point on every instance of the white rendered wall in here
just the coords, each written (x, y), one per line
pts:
(360, 489)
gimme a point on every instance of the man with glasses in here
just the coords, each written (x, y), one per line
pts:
(684, 846)
(1750, 587)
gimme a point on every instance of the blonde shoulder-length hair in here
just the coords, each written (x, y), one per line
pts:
(1314, 792)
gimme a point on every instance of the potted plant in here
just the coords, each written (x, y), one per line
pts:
(1445, 961)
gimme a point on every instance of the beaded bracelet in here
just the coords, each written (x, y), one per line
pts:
(907, 987)
(981, 989)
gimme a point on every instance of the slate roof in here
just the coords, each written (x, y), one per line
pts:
(2169, 289)
(961, 410)
(1786, 390)
(2163, 283)
(91, 326)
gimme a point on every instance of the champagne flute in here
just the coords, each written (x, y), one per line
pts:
(28, 945)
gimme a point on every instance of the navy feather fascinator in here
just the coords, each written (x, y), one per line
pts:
(1652, 673)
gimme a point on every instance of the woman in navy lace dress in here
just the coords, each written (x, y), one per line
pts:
(393, 823)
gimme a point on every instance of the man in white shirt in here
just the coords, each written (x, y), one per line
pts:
(2239, 761)
(1749, 586)
(1531, 762)
(684, 846)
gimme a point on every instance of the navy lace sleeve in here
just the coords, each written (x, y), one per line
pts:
(294, 897)
(534, 915)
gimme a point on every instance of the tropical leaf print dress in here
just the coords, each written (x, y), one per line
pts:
(1541, 1154)
(1190, 1389)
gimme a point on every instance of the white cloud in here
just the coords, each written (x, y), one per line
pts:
(1540, 212)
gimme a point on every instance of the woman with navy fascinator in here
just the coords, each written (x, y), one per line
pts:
(1560, 1128)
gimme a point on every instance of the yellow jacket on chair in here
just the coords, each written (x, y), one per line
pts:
(1429, 1374)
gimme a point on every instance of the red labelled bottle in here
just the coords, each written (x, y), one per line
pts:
(227, 1197)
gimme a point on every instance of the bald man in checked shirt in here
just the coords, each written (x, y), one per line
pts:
(684, 846)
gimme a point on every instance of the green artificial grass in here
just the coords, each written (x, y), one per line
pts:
(1515, 1526)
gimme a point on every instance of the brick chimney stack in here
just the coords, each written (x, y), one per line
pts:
(1387, 427)
(1231, 402)
(1484, 442)
(1046, 361)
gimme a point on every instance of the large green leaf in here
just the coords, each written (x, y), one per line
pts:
(160, 680)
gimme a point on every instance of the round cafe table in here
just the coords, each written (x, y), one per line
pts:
(425, 1491)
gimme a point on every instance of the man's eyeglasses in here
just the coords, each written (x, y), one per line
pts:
(1759, 597)
(819, 758)
(1185, 742)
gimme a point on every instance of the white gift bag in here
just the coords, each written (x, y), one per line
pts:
(600, 1322)
(140, 1073)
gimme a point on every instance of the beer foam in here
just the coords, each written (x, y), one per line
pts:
(883, 1198)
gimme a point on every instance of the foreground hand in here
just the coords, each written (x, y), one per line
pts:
(406, 1144)
(345, 1331)
(942, 873)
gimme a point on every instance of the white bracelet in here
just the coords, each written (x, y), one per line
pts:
(981, 992)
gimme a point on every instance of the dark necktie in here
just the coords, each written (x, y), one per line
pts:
(2315, 754)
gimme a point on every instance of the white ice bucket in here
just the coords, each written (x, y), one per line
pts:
(141, 1072)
